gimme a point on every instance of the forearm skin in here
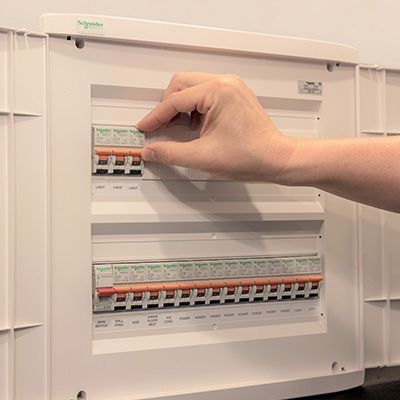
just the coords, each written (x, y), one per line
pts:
(365, 170)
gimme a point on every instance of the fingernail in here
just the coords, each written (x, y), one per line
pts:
(149, 155)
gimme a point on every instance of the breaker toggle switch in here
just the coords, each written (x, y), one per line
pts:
(300, 287)
(104, 299)
(117, 161)
(105, 292)
(315, 285)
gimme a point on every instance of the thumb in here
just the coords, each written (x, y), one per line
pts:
(186, 154)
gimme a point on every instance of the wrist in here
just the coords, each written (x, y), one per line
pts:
(301, 166)
(313, 162)
(278, 162)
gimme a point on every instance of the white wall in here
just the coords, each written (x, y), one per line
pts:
(369, 25)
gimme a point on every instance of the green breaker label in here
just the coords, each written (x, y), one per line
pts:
(170, 266)
(119, 131)
(231, 263)
(103, 269)
(201, 265)
(102, 130)
(186, 265)
(121, 268)
(152, 267)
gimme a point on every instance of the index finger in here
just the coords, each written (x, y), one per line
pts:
(187, 100)
(183, 80)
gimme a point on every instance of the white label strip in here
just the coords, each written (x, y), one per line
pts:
(116, 186)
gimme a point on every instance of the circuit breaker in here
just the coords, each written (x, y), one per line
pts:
(170, 283)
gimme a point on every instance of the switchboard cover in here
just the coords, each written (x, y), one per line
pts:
(109, 72)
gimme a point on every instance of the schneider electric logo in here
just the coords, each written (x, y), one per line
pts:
(118, 131)
(94, 26)
(101, 130)
(103, 269)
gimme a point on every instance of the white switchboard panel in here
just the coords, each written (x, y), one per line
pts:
(379, 90)
(160, 282)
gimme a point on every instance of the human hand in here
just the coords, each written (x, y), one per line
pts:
(237, 140)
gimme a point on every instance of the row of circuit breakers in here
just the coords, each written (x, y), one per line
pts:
(138, 286)
(116, 150)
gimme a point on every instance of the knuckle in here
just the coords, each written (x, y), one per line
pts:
(167, 157)
(235, 79)
(229, 84)
(176, 77)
